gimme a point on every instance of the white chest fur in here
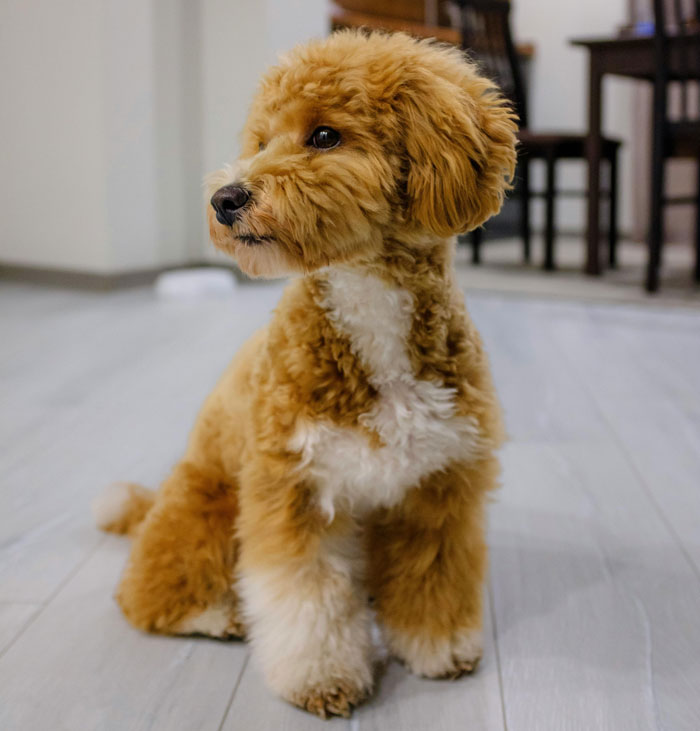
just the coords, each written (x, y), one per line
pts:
(415, 419)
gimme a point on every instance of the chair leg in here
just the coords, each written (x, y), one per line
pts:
(612, 212)
(656, 208)
(525, 208)
(549, 214)
(656, 229)
(656, 224)
(697, 229)
(476, 236)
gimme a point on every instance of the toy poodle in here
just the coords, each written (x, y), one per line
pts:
(340, 468)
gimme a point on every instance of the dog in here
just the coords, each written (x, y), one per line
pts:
(347, 454)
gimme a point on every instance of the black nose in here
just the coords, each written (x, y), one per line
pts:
(227, 201)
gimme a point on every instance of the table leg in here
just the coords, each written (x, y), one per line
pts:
(593, 154)
(697, 228)
(612, 211)
(525, 206)
(549, 198)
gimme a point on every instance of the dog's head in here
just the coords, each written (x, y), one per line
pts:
(359, 137)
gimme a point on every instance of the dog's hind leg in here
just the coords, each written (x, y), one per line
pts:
(427, 564)
(180, 572)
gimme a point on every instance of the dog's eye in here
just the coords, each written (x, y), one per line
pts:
(261, 146)
(323, 138)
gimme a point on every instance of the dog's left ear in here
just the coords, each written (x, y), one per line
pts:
(460, 144)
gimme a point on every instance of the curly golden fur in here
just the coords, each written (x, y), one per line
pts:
(348, 450)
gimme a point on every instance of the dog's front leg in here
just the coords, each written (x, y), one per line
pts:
(427, 564)
(304, 601)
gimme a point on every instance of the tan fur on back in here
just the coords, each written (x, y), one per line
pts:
(348, 449)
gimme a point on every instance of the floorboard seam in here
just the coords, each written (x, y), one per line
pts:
(227, 710)
(44, 605)
(494, 634)
(630, 461)
(598, 541)
(659, 510)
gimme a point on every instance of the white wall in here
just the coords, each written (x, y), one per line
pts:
(559, 86)
(52, 164)
(129, 132)
(113, 110)
(239, 41)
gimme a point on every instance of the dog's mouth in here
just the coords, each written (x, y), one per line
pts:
(253, 240)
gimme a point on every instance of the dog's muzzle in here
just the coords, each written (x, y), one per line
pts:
(228, 201)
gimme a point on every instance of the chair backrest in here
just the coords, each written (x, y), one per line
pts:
(677, 18)
(429, 12)
(487, 38)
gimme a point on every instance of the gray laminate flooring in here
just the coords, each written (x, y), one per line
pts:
(593, 604)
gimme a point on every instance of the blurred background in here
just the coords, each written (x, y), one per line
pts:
(113, 112)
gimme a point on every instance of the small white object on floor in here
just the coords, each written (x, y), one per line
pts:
(195, 283)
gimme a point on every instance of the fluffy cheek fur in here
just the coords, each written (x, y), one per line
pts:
(317, 208)
(269, 259)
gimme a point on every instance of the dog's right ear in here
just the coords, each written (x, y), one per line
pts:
(459, 138)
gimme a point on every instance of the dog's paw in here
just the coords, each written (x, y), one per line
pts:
(235, 628)
(220, 621)
(326, 687)
(460, 667)
(338, 699)
(438, 658)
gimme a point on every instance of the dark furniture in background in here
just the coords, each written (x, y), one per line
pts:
(661, 59)
(486, 36)
(421, 18)
(679, 137)
(426, 19)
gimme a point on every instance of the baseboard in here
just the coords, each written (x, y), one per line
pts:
(92, 281)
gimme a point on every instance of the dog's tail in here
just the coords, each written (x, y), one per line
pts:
(122, 507)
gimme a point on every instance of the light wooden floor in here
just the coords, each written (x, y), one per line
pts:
(594, 601)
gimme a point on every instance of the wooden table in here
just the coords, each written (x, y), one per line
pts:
(632, 58)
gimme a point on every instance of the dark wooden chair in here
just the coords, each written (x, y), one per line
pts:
(421, 18)
(486, 36)
(678, 137)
